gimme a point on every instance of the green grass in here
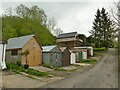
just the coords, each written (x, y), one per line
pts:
(35, 72)
(88, 61)
(60, 69)
(12, 66)
(17, 69)
(48, 66)
(99, 49)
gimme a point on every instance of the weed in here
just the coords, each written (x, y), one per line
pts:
(88, 61)
(17, 69)
(99, 49)
(60, 69)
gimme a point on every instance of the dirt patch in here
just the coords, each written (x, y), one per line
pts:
(12, 80)
(79, 69)
(41, 68)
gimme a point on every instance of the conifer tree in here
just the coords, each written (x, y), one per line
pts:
(102, 29)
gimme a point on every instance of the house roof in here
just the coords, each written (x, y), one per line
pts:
(62, 48)
(65, 35)
(18, 42)
(48, 48)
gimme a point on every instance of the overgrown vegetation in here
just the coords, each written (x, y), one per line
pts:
(26, 21)
(35, 72)
(88, 61)
(99, 51)
(17, 69)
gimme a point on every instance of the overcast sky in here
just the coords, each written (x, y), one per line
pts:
(71, 15)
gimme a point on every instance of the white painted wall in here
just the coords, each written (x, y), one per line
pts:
(84, 54)
(86, 47)
(72, 60)
(2, 63)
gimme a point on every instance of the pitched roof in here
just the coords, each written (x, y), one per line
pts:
(48, 48)
(62, 48)
(18, 42)
(65, 35)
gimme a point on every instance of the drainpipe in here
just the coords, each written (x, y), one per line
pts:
(3, 52)
(4, 42)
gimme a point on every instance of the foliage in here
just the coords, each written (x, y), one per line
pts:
(90, 41)
(103, 29)
(25, 54)
(17, 69)
(82, 37)
(48, 66)
(12, 66)
(26, 21)
(18, 63)
(88, 61)
(117, 18)
(60, 69)
(35, 72)
(99, 49)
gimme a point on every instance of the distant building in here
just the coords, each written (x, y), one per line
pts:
(69, 40)
(18, 45)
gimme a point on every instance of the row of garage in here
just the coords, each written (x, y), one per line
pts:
(61, 56)
(39, 55)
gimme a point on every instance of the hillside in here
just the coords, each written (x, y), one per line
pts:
(22, 23)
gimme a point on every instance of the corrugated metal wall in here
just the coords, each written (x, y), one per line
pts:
(53, 58)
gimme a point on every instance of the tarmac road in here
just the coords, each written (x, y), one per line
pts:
(103, 75)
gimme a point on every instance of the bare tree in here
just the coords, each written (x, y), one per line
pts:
(51, 24)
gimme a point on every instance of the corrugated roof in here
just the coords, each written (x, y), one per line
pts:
(48, 48)
(62, 48)
(65, 35)
(18, 42)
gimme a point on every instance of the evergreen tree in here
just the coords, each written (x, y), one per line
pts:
(102, 29)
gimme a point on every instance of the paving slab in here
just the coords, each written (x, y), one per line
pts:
(70, 67)
(19, 81)
(82, 64)
(41, 68)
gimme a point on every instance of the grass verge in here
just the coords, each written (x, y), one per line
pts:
(17, 69)
(88, 61)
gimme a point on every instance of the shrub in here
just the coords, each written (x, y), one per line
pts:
(99, 49)
(18, 63)
(26, 66)
(17, 69)
(13, 66)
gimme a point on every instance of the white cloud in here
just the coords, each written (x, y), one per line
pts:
(58, 0)
(80, 18)
(70, 16)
